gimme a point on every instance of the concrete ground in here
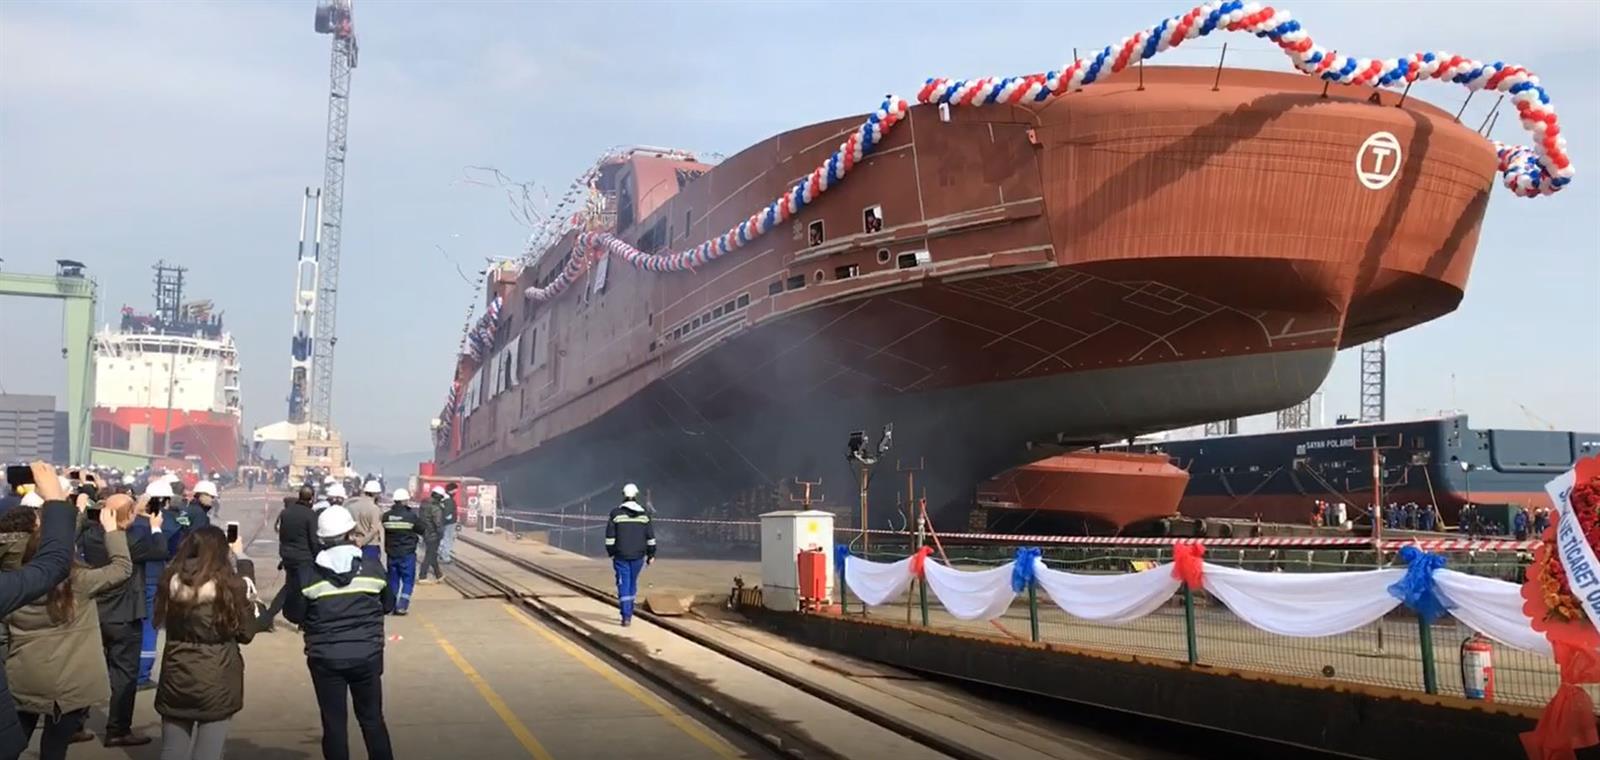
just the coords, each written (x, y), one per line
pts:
(988, 728)
(463, 678)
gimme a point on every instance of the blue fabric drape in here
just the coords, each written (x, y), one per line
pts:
(1416, 589)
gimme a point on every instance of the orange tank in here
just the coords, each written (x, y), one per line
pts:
(1112, 488)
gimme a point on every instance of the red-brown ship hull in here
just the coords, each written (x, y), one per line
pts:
(211, 436)
(1123, 260)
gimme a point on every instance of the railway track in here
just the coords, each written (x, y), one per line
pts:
(775, 733)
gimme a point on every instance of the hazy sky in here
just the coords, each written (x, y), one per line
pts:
(132, 131)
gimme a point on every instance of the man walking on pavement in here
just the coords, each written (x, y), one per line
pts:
(447, 541)
(432, 533)
(400, 540)
(369, 520)
(297, 547)
(631, 544)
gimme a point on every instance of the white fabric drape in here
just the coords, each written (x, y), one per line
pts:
(1490, 607)
(971, 595)
(1304, 604)
(1288, 604)
(877, 582)
(1107, 598)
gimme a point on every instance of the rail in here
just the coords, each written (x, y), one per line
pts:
(889, 722)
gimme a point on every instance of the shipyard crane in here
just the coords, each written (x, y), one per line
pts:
(333, 18)
(315, 445)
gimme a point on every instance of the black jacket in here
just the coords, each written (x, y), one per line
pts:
(432, 520)
(297, 534)
(629, 533)
(123, 603)
(50, 564)
(400, 525)
(340, 612)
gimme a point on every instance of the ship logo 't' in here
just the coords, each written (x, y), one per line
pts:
(1378, 160)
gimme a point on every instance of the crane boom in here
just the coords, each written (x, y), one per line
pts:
(334, 18)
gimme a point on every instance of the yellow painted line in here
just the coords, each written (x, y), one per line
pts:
(518, 729)
(715, 743)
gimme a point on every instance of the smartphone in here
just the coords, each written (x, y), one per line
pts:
(18, 475)
(155, 505)
(74, 475)
(233, 532)
(92, 512)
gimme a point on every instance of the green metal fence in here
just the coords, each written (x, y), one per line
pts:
(1397, 651)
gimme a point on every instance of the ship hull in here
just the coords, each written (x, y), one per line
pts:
(1277, 477)
(1159, 253)
(143, 431)
(961, 435)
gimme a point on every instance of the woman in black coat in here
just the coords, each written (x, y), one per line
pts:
(205, 608)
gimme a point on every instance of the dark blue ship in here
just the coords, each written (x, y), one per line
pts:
(1277, 477)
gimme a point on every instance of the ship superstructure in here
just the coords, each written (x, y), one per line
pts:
(167, 383)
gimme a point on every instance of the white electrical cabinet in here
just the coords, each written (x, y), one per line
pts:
(783, 536)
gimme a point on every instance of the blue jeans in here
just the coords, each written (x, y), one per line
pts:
(372, 552)
(403, 579)
(446, 543)
(147, 647)
(628, 571)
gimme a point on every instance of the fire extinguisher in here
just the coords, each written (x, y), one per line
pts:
(1477, 668)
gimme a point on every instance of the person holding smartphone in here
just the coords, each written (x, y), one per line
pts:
(54, 665)
(45, 566)
(124, 610)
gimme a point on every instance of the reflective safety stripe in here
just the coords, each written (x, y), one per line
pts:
(650, 542)
(398, 526)
(625, 599)
(631, 519)
(359, 585)
(610, 541)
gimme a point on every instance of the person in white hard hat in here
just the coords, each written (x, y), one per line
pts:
(205, 497)
(340, 608)
(631, 544)
(400, 534)
(335, 493)
(369, 520)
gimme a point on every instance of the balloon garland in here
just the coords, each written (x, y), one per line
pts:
(1542, 169)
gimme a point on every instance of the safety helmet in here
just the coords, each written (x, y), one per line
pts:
(630, 491)
(372, 487)
(437, 491)
(334, 521)
(158, 489)
(335, 491)
(32, 499)
(171, 477)
(401, 494)
(320, 505)
(206, 487)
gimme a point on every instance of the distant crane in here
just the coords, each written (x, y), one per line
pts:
(333, 17)
(1536, 419)
(309, 425)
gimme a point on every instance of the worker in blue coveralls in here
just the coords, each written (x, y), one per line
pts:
(631, 544)
(400, 534)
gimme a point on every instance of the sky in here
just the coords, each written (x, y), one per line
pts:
(137, 131)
